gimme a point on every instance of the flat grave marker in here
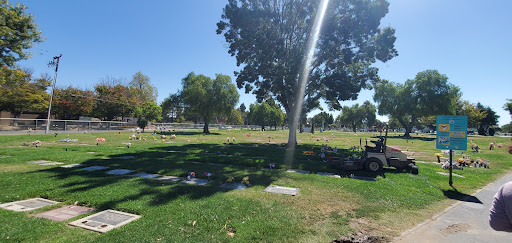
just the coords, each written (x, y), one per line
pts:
(145, 175)
(446, 174)
(119, 171)
(72, 166)
(234, 185)
(105, 221)
(64, 213)
(3, 157)
(218, 164)
(27, 205)
(328, 174)
(197, 182)
(282, 190)
(39, 162)
(52, 163)
(298, 171)
(95, 167)
(125, 157)
(169, 178)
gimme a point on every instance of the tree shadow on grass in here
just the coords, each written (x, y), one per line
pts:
(221, 160)
(455, 194)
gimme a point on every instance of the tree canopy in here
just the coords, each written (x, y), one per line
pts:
(508, 106)
(209, 97)
(71, 103)
(490, 118)
(141, 88)
(356, 115)
(18, 32)
(270, 39)
(19, 92)
(428, 94)
(321, 119)
(147, 112)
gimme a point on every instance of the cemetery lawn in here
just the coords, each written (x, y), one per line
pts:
(325, 209)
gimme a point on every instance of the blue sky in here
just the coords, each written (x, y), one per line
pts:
(467, 40)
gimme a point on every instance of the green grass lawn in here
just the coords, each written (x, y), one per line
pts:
(325, 209)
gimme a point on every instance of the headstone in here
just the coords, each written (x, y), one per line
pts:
(52, 163)
(197, 182)
(125, 157)
(64, 213)
(105, 221)
(145, 175)
(169, 178)
(328, 174)
(96, 167)
(217, 164)
(234, 185)
(27, 205)
(282, 190)
(298, 171)
(453, 174)
(72, 166)
(119, 171)
(39, 162)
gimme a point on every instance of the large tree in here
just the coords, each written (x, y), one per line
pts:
(141, 88)
(114, 100)
(71, 103)
(20, 93)
(271, 41)
(356, 115)
(508, 106)
(321, 120)
(490, 118)
(428, 94)
(147, 112)
(474, 114)
(18, 33)
(209, 97)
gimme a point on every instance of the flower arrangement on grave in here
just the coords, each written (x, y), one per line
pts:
(234, 139)
(36, 143)
(491, 146)
(335, 150)
(230, 179)
(207, 175)
(173, 136)
(228, 138)
(438, 155)
(163, 136)
(191, 175)
(499, 145)
(101, 139)
(245, 181)
(272, 165)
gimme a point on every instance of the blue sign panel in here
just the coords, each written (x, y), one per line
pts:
(452, 132)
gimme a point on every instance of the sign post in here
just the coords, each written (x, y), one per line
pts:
(452, 135)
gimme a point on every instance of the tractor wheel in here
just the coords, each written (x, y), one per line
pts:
(373, 165)
(414, 169)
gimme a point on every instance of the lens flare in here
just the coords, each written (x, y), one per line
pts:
(304, 74)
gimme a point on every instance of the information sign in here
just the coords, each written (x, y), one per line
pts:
(452, 132)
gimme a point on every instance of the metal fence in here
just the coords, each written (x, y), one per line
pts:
(16, 125)
(38, 126)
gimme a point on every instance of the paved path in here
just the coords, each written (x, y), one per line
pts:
(462, 222)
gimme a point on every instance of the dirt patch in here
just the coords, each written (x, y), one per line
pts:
(361, 238)
(455, 229)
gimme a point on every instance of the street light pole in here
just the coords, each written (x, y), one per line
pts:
(56, 64)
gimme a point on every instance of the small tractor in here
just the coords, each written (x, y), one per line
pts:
(376, 157)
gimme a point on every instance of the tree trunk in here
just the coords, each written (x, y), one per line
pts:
(292, 134)
(205, 128)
